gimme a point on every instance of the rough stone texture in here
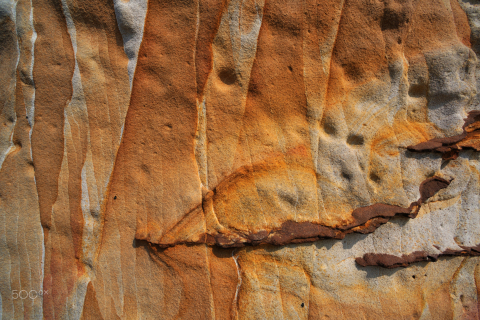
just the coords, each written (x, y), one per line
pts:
(239, 159)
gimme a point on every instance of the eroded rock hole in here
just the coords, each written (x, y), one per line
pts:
(329, 128)
(352, 71)
(287, 197)
(418, 90)
(393, 18)
(228, 76)
(346, 175)
(355, 140)
(145, 169)
(167, 128)
(374, 177)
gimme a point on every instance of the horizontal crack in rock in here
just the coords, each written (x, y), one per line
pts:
(366, 220)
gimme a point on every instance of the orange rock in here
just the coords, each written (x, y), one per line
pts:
(228, 159)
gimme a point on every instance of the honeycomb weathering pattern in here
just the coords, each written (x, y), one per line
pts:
(239, 159)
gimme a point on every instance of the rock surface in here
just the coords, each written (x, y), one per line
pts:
(240, 159)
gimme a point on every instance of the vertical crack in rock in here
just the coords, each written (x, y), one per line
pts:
(155, 180)
(201, 143)
(200, 134)
(211, 298)
(237, 290)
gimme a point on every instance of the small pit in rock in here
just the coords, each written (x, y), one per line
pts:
(228, 76)
(374, 177)
(355, 140)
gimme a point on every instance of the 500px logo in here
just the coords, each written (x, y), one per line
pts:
(24, 294)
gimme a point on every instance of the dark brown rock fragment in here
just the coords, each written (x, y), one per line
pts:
(390, 261)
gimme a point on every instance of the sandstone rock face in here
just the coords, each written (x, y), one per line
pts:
(240, 159)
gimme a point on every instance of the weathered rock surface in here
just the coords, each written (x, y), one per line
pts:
(228, 159)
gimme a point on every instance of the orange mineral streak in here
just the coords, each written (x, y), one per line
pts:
(155, 170)
(60, 151)
(432, 27)
(224, 279)
(360, 48)
(91, 310)
(209, 15)
(53, 71)
(102, 64)
(18, 197)
(461, 22)
(274, 122)
(189, 265)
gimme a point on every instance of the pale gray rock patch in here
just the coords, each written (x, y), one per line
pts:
(472, 9)
(131, 21)
(451, 88)
(9, 60)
